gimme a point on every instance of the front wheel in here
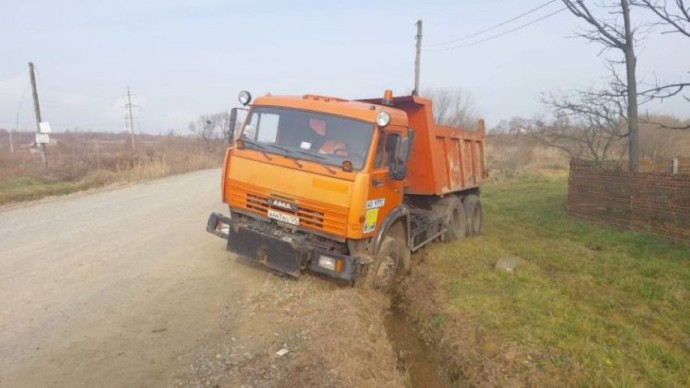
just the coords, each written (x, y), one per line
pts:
(381, 275)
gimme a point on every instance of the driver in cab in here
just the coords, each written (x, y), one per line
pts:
(324, 145)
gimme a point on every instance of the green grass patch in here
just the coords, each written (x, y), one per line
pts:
(36, 187)
(605, 306)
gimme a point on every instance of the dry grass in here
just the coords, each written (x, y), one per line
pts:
(335, 335)
(80, 161)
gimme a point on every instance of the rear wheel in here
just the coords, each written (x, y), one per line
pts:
(382, 274)
(473, 209)
(456, 221)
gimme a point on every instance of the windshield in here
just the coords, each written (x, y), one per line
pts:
(308, 135)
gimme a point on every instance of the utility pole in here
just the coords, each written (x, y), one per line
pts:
(37, 110)
(418, 57)
(131, 119)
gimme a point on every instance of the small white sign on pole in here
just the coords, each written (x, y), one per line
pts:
(42, 138)
(44, 126)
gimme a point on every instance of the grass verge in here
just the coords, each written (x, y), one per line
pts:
(24, 188)
(588, 305)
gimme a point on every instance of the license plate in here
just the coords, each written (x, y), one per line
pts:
(288, 218)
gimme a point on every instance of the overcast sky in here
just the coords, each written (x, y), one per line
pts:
(184, 58)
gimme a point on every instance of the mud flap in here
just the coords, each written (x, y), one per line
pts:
(273, 253)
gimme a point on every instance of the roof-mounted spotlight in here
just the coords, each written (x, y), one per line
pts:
(245, 98)
(383, 118)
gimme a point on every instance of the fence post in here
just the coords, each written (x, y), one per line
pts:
(674, 166)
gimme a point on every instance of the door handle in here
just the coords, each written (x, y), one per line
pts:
(377, 182)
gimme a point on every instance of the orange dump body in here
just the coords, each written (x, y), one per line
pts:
(443, 159)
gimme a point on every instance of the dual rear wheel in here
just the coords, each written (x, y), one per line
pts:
(463, 218)
(473, 210)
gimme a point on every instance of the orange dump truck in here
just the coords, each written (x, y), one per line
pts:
(347, 188)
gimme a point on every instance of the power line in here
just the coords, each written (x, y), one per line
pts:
(493, 27)
(501, 34)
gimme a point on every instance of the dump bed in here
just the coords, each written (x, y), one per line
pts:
(443, 159)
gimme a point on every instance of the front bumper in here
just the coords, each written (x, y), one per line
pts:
(288, 253)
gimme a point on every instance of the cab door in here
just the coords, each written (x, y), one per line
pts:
(385, 190)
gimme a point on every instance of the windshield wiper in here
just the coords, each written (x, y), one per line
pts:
(319, 157)
(289, 151)
(310, 155)
(259, 147)
(315, 156)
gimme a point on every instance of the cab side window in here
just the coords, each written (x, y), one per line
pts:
(386, 150)
(392, 143)
(378, 159)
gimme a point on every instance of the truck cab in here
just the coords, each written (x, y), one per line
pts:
(330, 185)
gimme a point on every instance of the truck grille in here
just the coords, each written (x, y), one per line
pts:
(307, 217)
(312, 215)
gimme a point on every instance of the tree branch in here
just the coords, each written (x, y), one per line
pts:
(604, 33)
(680, 21)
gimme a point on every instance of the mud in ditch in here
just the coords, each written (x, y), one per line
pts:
(422, 367)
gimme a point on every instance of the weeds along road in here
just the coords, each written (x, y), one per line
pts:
(126, 288)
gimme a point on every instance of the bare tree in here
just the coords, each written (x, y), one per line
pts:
(516, 126)
(674, 15)
(674, 124)
(453, 107)
(212, 129)
(586, 124)
(608, 31)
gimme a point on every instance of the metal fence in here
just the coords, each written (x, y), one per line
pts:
(656, 199)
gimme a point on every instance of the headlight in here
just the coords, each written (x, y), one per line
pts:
(327, 262)
(245, 97)
(383, 119)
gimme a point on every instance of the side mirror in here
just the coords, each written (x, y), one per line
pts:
(231, 125)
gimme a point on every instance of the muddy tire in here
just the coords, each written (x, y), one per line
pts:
(382, 274)
(473, 210)
(456, 221)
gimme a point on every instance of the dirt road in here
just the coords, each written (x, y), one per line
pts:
(125, 288)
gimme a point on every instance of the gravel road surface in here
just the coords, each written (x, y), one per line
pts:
(126, 288)
(113, 288)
